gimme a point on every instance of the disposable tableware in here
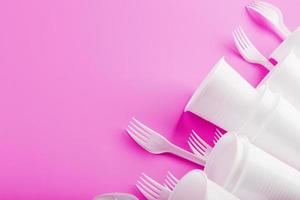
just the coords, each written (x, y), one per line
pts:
(155, 143)
(151, 189)
(271, 15)
(248, 51)
(248, 172)
(268, 120)
(282, 79)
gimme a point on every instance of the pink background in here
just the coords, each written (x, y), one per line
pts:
(73, 73)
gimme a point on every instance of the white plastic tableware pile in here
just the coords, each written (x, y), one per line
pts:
(258, 158)
(249, 172)
(267, 119)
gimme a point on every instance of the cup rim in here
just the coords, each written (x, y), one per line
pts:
(203, 85)
(237, 161)
(183, 183)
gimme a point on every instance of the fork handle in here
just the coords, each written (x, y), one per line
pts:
(267, 64)
(187, 155)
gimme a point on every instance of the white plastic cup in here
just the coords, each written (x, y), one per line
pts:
(275, 128)
(284, 78)
(224, 98)
(249, 172)
(291, 42)
(196, 186)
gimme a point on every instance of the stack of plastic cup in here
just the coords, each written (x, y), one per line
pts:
(267, 119)
(196, 186)
(277, 130)
(250, 173)
(285, 78)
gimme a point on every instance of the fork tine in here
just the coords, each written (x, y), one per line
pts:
(149, 185)
(215, 140)
(219, 133)
(169, 184)
(259, 7)
(193, 139)
(217, 136)
(205, 145)
(143, 126)
(195, 143)
(239, 44)
(135, 137)
(137, 133)
(172, 177)
(242, 37)
(245, 36)
(195, 148)
(171, 181)
(153, 182)
(198, 145)
(146, 191)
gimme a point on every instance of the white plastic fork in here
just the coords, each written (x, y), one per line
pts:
(248, 50)
(198, 145)
(151, 189)
(272, 15)
(171, 181)
(155, 143)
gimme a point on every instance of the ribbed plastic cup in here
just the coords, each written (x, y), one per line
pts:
(284, 78)
(291, 42)
(275, 128)
(196, 186)
(224, 98)
(249, 172)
